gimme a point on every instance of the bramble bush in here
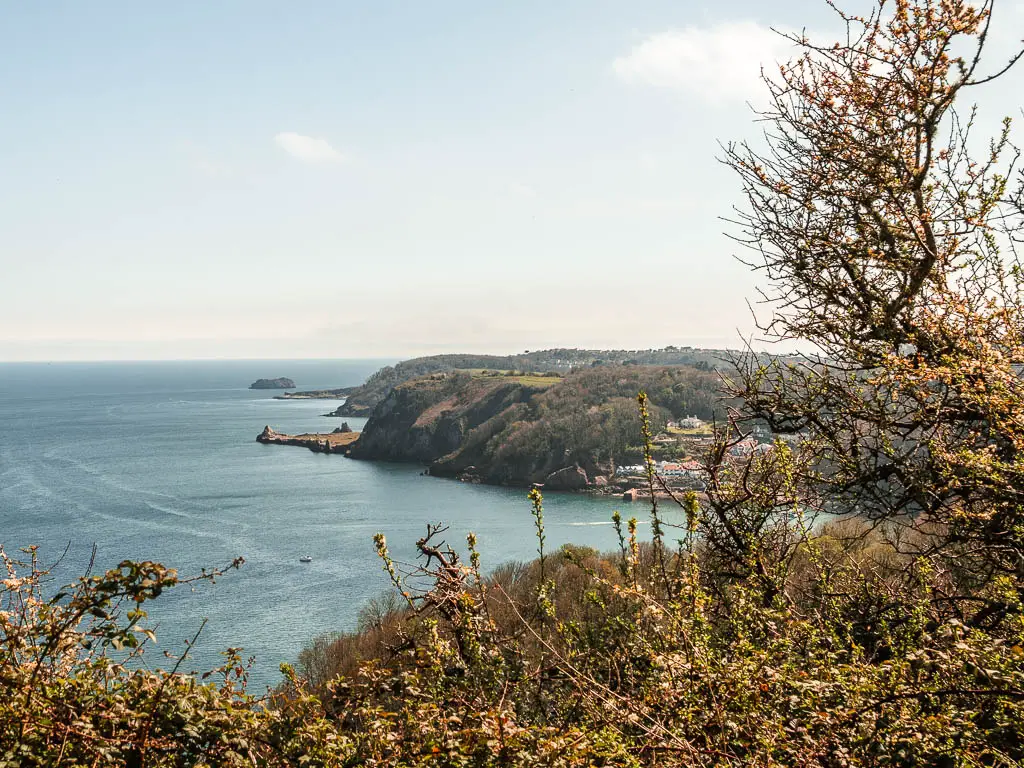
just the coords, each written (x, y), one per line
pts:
(74, 690)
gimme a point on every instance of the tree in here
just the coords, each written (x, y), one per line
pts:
(890, 250)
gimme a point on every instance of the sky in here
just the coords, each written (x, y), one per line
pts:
(250, 179)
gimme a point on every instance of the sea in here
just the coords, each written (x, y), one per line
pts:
(159, 461)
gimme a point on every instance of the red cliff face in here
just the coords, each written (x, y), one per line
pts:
(425, 420)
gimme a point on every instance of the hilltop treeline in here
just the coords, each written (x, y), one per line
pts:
(362, 400)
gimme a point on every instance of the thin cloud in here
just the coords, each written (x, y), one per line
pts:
(308, 149)
(204, 162)
(718, 63)
(522, 190)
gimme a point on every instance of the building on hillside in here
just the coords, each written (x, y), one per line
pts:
(691, 422)
(744, 447)
(630, 470)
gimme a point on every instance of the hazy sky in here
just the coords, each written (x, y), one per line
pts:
(342, 179)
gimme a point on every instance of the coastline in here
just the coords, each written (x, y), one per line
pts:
(521, 429)
(342, 443)
(316, 394)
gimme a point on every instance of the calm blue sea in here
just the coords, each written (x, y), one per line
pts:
(158, 460)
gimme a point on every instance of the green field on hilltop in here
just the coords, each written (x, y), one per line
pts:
(530, 379)
(704, 431)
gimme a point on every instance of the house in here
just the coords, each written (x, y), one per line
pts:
(631, 470)
(744, 447)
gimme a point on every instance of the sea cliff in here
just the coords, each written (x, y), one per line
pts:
(564, 432)
(430, 418)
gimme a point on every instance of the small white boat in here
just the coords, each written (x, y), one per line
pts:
(305, 559)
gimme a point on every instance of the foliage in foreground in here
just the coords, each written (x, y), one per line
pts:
(651, 657)
(644, 657)
(74, 690)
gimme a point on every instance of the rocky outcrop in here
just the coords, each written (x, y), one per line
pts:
(316, 394)
(281, 383)
(268, 435)
(572, 478)
(351, 407)
(342, 429)
(333, 442)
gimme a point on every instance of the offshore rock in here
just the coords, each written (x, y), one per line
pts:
(281, 383)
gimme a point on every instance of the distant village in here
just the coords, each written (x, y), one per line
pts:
(690, 436)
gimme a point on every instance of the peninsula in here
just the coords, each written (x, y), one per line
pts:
(567, 432)
(337, 441)
(316, 394)
(572, 424)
